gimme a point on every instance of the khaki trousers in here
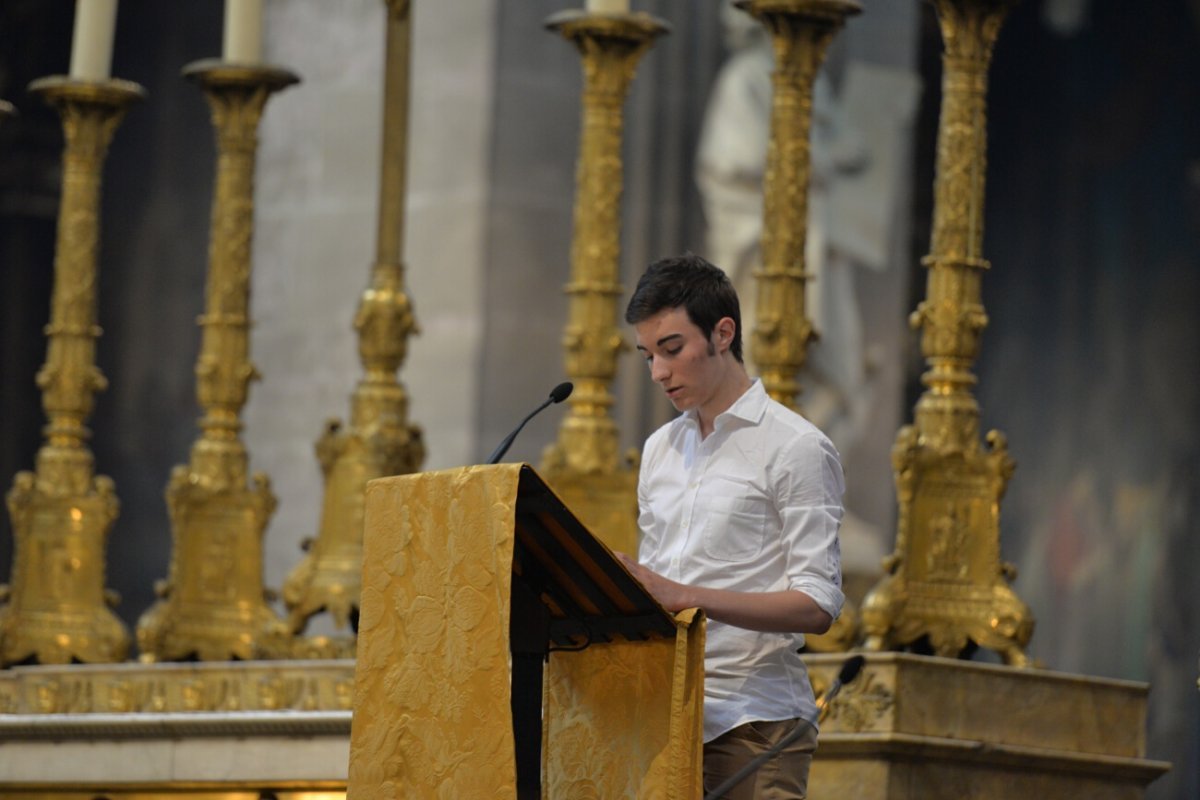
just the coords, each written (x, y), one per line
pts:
(782, 777)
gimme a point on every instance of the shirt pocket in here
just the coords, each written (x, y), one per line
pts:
(734, 527)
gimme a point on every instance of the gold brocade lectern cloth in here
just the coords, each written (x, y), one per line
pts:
(432, 706)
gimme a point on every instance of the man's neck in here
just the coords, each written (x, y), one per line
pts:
(732, 388)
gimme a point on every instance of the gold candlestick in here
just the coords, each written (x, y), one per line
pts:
(379, 441)
(212, 605)
(801, 31)
(946, 583)
(583, 465)
(62, 512)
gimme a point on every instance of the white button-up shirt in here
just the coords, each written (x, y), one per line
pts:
(755, 507)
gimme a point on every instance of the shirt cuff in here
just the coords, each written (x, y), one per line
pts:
(827, 596)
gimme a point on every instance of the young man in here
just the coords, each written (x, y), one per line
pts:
(740, 502)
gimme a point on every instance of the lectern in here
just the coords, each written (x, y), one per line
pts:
(504, 652)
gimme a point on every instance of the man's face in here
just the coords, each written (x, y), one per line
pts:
(681, 359)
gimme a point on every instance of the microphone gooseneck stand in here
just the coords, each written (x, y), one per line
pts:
(557, 395)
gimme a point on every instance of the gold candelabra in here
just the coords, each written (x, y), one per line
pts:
(583, 466)
(57, 608)
(945, 584)
(212, 604)
(801, 31)
(379, 441)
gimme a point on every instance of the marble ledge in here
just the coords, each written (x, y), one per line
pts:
(163, 749)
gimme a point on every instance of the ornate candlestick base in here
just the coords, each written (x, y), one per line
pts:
(213, 605)
(947, 589)
(583, 466)
(329, 577)
(62, 512)
(945, 582)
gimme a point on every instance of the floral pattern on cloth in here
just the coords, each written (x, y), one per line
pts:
(625, 719)
(432, 701)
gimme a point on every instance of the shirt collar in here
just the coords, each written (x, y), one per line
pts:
(750, 408)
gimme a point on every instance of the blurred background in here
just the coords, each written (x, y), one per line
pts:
(1090, 362)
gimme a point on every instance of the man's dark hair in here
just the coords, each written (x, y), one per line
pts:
(691, 283)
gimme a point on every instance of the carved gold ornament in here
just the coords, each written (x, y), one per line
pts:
(212, 604)
(57, 608)
(583, 465)
(946, 588)
(801, 31)
(379, 441)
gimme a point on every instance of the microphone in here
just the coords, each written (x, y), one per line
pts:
(848, 672)
(557, 395)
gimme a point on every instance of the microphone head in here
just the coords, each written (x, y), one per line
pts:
(562, 391)
(851, 669)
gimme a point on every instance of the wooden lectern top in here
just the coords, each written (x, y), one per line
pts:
(589, 593)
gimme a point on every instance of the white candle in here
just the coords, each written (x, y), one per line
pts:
(243, 31)
(92, 39)
(608, 6)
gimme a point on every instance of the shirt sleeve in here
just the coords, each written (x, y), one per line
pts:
(809, 487)
(648, 538)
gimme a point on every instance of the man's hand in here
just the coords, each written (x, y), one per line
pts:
(670, 595)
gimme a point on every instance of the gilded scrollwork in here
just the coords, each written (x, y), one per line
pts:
(610, 47)
(861, 705)
(946, 586)
(212, 606)
(801, 31)
(57, 610)
(172, 688)
(584, 464)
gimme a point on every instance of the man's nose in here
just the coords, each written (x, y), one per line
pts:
(658, 370)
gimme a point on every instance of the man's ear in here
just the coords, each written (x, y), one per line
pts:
(724, 330)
